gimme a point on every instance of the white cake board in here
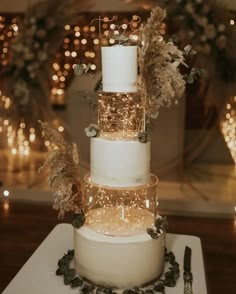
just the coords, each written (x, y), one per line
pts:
(37, 276)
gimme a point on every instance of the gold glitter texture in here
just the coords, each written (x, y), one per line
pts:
(126, 204)
(120, 221)
(121, 113)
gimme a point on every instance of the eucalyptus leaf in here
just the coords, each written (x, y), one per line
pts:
(79, 69)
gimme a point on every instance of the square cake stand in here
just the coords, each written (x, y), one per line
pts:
(38, 276)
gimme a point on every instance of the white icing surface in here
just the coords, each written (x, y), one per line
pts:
(119, 68)
(122, 262)
(119, 163)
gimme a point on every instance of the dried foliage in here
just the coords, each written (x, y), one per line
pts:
(62, 160)
(159, 63)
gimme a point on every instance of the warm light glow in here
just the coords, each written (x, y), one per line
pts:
(6, 206)
(85, 29)
(228, 127)
(60, 91)
(78, 40)
(67, 27)
(56, 66)
(67, 66)
(232, 22)
(120, 207)
(26, 151)
(60, 129)
(134, 37)
(93, 67)
(14, 151)
(15, 27)
(147, 203)
(73, 54)
(32, 137)
(6, 193)
(120, 221)
(47, 143)
(55, 77)
(121, 113)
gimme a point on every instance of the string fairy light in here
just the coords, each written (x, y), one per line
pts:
(6, 193)
(121, 113)
(80, 38)
(81, 46)
(228, 126)
(120, 210)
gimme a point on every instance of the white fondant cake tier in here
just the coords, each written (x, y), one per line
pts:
(122, 262)
(119, 68)
(117, 163)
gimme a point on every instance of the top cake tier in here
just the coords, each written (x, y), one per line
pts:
(119, 69)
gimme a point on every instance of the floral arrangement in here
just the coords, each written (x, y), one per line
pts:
(209, 26)
(159, 61)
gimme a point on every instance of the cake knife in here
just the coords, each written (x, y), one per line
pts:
(188, 276)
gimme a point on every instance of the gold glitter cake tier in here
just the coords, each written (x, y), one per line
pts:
(122, 207)
(121, 113)
(119, 221)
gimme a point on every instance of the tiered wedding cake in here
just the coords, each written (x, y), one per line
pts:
(113, 247)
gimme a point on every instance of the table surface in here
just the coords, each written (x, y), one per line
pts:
(37, 276)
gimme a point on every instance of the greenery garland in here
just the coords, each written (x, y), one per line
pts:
(168, 279)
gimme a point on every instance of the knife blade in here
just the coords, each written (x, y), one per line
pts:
(188, 277)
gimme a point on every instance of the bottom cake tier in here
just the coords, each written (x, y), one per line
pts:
(120, 262)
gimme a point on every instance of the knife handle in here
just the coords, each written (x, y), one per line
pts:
(188, 278)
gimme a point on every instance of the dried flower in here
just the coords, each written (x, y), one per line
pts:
(78, 220)
(92, 130)
(159, 63)
(62, 161)
(79, 69)
(202, 23)
(160, 227)
(143, 137)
